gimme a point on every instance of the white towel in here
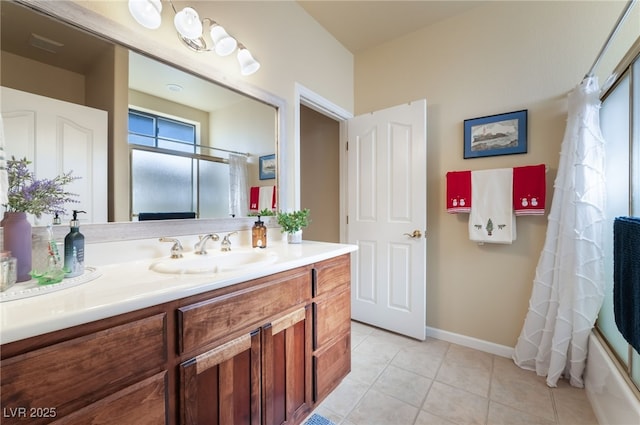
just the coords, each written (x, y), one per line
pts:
(265, 198)
(4, 177)
(492, 219)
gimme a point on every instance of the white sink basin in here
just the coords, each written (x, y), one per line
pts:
(214, 262)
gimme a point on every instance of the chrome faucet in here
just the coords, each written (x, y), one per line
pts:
(225, 245)
(176, 249)
(200, 245)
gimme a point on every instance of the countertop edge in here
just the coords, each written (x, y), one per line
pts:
(12, 328)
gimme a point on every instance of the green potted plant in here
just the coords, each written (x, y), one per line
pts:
(293, 222)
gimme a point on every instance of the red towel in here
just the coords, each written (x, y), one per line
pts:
(273, 201)
(458, 192)
(254, 198)
(529, 189)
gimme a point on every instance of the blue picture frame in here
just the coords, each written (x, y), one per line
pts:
(502, 134)
(267, 166)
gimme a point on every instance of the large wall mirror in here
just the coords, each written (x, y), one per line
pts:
(193, 146)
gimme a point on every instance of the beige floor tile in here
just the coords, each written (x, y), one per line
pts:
(403, 385)
(521, 389)
(345, 397)
(456, 405)
(357, 338)
(376, 408)
(379, 346)
(366, 368)
(426, 418)
(361, 328)
(394, 338)
(424, 358)
(500, 414)
(572, 405)
(391, 376)
(466, 369)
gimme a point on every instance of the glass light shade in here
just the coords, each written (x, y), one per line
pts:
(187, 23)
(146, 12)
(223, 43)
(248, 65)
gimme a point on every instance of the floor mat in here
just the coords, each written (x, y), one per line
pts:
(316, 419)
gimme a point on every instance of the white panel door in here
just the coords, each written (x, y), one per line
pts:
(59, 137)
(387, 163)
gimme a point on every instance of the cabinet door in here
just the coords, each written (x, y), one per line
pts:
(144, 403)
(71, 375)
(222, 386)
(286, 368)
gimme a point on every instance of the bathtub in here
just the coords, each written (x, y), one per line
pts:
(613, 400)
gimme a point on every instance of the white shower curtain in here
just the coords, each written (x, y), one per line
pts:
(238, 198)
(568, 287)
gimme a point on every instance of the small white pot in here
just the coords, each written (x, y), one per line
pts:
(295, 237)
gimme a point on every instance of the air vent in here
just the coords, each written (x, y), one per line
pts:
(45, 43)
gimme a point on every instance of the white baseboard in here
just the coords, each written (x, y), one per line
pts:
(467, 341)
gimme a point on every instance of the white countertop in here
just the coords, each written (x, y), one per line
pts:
(130, 286)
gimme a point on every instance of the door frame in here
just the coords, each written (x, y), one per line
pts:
(310, 99)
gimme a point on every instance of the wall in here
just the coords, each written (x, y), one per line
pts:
(498, 57)
(231, 130)
(320, 176)
(35, 77)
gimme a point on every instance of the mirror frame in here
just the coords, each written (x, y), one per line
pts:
(86, 20)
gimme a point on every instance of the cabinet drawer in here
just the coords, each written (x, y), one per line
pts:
(144, 403)
(331, 318)
(331, 275)
(73, 374)
(208, 321)
(330, 366)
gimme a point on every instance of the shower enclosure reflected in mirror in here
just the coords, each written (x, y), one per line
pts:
(178, 128)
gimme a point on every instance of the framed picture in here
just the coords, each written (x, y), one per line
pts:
(502, 134)
(267, 165)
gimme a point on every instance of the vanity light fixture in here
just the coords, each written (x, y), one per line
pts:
(248, 65)
(191, 32)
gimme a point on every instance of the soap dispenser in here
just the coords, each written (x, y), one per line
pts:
(74, 248)
(259, 234)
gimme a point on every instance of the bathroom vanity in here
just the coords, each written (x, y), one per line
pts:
(250, 346)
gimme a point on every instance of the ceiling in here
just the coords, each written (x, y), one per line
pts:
(359, 25)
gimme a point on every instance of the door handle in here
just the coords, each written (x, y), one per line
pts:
(415, 235)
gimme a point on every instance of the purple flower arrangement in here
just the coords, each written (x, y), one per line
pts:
(37, 197)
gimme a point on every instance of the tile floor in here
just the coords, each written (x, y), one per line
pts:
(400, 381)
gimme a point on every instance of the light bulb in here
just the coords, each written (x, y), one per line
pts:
(248, 65)
(223, 43)
(146, 12)
(187, 23)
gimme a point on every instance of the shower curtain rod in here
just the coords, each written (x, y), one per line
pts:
(615, 29)
(227, 150)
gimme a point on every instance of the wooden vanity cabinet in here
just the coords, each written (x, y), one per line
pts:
(261, 376)
(261, 352)
(116, 374)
